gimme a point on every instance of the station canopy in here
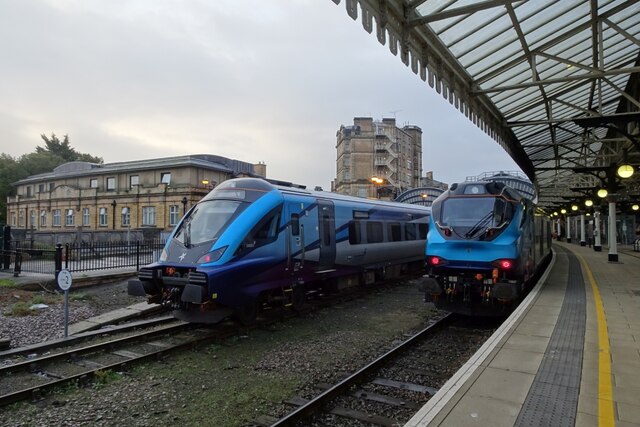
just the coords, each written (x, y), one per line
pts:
(555, 82)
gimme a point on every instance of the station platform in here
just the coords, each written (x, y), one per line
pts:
(569, 355)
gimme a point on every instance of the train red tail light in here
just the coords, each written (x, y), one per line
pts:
(447, 232)
(504, 264)
(436, 261)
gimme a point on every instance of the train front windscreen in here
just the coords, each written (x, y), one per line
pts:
(470, 216)
(208, 220)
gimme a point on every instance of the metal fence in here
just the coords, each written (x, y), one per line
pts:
(81, 256)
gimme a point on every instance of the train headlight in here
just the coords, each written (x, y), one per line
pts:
(212, 256)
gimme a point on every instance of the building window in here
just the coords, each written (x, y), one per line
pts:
(56, 218)
(103, 217)
(93, 183)
(111, 184)
(29, 191)
(43, 218)
(32, 219)
(126, 217)
(40, 188)
(13, 219)
(52, 186)
(85, 216)
(69, 217)
(149, 215)
(165, 177)
(21, 218)
(134, 180)
(174, 214)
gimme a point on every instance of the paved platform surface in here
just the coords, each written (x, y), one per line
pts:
(569, 355)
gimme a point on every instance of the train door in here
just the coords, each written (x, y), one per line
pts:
(326, 234)
(295, 237)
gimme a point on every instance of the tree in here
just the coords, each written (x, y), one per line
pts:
(64, 150)
(44, 159)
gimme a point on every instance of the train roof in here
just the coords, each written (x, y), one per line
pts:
(479, 188)
(264, 185)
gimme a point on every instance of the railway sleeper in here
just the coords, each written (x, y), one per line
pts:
(350, 413)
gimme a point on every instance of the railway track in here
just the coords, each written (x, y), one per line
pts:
(28, 373)
(388, 390)
(30, 378)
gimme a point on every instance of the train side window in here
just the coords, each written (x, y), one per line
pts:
(355, 232)
(423, 228)
(410, 231)
(374, 232)
(295, 224)
(394, 232)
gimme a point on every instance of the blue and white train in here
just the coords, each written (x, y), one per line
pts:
(485, 243)
(250, 243)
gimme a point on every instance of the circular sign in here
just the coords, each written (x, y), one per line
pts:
(64, 279)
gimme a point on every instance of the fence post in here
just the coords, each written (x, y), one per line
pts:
(17, 266)
(67, 252)
(6, 246)
(57, 259)
(137, 255)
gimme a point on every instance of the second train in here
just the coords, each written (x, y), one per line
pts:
(485, 245)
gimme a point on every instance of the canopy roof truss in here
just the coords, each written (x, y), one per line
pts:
(554, 82)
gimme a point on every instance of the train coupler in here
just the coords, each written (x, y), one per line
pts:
(431, 289)
(466, 292)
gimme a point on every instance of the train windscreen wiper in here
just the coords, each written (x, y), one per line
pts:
(483, 222)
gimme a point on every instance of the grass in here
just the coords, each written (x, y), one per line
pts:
(104, 377)
(38, 299)
(79, 296)
(19, 309)
(8, 283)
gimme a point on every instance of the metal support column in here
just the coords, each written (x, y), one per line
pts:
(583, 240)
(567, 220)
(597, 244)
(613, 243)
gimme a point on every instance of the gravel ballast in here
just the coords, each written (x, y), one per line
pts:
(244, 377)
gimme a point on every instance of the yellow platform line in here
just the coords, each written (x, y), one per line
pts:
(605, 389)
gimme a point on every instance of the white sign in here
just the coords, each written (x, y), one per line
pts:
(64, 279)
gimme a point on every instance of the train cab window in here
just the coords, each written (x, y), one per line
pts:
(295, 224)
(394, 231)
(410, 231)
(355, 232)
(423, 228)
(374, 232)
(207, 221)
(266, 231)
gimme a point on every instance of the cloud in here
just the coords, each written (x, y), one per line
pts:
(257, 81)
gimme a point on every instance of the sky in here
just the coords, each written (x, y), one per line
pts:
(255, 80)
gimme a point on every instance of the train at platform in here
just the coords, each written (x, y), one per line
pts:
(250, 244)
(484, 248)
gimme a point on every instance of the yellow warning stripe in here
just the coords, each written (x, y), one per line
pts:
(605, 393)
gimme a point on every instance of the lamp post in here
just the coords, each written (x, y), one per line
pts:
(184, 205)
(113, 206)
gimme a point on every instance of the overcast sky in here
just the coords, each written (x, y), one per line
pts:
(254, 80)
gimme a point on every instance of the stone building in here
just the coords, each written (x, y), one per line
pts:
(86, 201)
(381, 150)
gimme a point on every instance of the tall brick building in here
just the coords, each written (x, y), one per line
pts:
(377, 149)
